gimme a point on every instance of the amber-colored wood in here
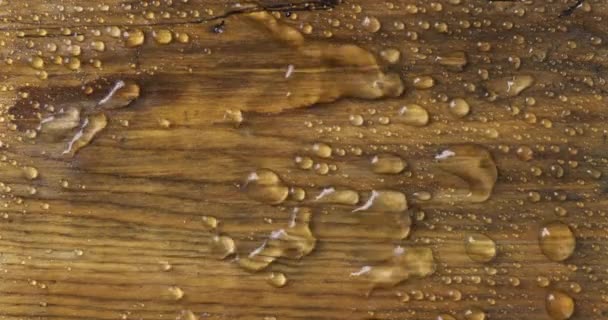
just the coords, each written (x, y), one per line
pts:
(124, 227)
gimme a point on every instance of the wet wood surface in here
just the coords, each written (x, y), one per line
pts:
(142, 140)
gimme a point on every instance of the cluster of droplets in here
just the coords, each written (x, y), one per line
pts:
(454, 89)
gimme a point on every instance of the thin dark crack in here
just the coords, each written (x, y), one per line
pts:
(571, 9)
(289, 7)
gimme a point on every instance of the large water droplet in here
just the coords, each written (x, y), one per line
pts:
(266, 186)
(60, 123)
(120, 95)
(473, 164)
(388, 164)
(415, 262)
(30, 173)
(277, 279)
(557, 241)
(92, 125)
(222, 246)
(479, 247)
(459, 107)
(385, 201)
(474, 314)
(345, 71)
(560, 306)
(455, 60)
(292, 242)
(510, 86)
(413, 115)
(333, 196)
(134, 38)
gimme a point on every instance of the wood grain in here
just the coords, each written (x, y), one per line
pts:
(124, 227)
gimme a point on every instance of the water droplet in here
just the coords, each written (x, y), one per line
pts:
(187, 315)
(510, 86)
(388, 164)
(356, 120)
(560, 306)
(557, 241)
(222, 246)
(371, 24)
(415, 262)
(120, 95)
(413, 115)
(385, 201)
(292, 242)
(98, 46)
(30, 173)
(266, 186)
(480, 248)
(423, 195)
(473, 164)
(304, 162)
(60, 123)
(391, 55)
(37, 63)
(162, 36)
(134, 38)
(164, 123)
(322, 150)
(277, 279)
(459, 107)
(543, 282)
(176, 292)
(454, 60)
(424, 82)
(348, 70)
(73, 63)
(333, 196)
(92, 125)
(524, 153)
(474, 314)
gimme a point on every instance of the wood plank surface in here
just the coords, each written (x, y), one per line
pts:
(347, 159)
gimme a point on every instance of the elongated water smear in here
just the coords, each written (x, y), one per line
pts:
(293, 242)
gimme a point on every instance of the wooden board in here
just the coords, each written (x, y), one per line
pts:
(197, 125)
